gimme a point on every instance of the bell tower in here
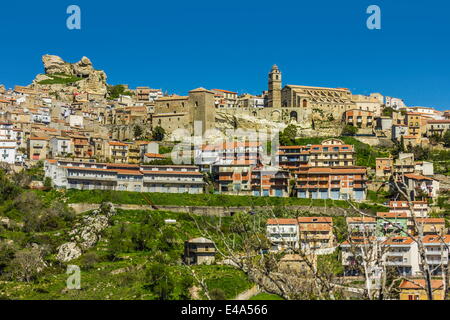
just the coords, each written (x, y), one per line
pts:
(274, 99)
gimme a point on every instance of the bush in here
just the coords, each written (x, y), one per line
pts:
(349, 130)
(89, 260)
(217, 294)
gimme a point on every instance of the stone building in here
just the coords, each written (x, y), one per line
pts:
(180, 112)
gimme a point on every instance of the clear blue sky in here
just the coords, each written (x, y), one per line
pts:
(181, 45)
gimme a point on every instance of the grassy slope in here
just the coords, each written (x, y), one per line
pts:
(126, 197)
(98, 281)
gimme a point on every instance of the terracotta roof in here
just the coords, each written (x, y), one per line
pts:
(116, 143)
(398, 241)
(436, 239)
(360, 219)
(281, 221)
(154, 155)
(315, 220)
(420, 284)
(417, 177)
(392, 214)
(226, 91)
(431, 220)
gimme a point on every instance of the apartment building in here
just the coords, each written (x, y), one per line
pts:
(361, 226)
(420, 208)
(432, 226)
(292, 157)
(361, 119)
(224, 98)
(233, 178)
(223, 153)
(124, 177)
(316, 233)
(420, 187)
(401, 254)
(331, 153)
(117, 152)
(37, 148)
(81, 146)
(392, 224)
(60, 147)
(437, 127)
(283, 233)
(417, 124)
(383, 167)
(331, 183)
(269, 181)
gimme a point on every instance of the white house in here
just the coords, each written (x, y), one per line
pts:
(283, 233)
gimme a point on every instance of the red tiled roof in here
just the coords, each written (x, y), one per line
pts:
(282, 221)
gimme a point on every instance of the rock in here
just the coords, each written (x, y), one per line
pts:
(68, 251)
(6, 222)
(54, 64)
(86, 234)
(91, 81)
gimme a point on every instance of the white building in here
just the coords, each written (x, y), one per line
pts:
(60, 146)
(394, 103)
(124, 177)
(283, 233)
(8, 151)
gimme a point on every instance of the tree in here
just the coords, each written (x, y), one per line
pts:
(159, 133)
(446, 138)
(388, 111)
(349, 130)
(137, 131)
(115, 91)
(288, 135)
(27, 264)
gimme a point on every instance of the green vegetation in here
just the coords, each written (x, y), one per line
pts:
(388, 111)
(139, 257)
(118, 90)
(266, 296)
(184, 199)
(60, 78)
(349, 130)
(159, 133)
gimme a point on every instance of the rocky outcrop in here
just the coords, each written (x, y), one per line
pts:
(55, 65)
(86, 233)
(65, 79)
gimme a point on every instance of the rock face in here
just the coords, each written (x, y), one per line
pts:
(86, 233)
(88, 80)
(55, 65)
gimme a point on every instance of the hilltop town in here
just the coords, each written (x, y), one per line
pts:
(352, 202)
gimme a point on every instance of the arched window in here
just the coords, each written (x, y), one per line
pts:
(293, 115)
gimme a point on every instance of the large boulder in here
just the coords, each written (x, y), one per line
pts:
(90, 81)
(54, 65)
(68, 251)
(86, 233)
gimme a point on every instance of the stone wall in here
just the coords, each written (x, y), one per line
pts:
(211, 211)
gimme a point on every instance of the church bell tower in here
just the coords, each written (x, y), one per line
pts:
(274, 99)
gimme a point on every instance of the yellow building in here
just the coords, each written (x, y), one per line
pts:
(415, 289)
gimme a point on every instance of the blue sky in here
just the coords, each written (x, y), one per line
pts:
(182, 45)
